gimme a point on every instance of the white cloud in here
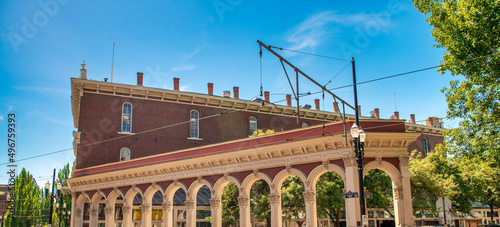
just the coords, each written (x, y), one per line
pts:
(41, 89)
(1, 118)
(183, 67)
(313, 29)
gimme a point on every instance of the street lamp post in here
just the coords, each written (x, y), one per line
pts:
(47, 186)
(358, 136)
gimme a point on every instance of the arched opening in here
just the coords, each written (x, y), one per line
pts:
(179, 208)
(203, 211)
(136, 210)
(330, 204)
(157, 211)
(292, 201)
(260, 207)
(230, 206)
(380, 207)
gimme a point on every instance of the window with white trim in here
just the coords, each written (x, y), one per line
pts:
(127, 117)
(305, 125)
(426, 147)
(125, 154)
(194, 129)
(253, 125)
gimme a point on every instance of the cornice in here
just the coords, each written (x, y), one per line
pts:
(284, 154)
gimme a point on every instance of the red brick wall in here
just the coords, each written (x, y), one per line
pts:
(432, 141)
(100, 120)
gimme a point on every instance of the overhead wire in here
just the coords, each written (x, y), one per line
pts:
(232, 110)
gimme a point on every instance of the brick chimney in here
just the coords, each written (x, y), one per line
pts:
(83, 71)
(316, 104)
(376, 113)
(433, 121)
(288, 100)
(140, 76)
(412, 118)
(176, 84)
(359, 110)
(396, 114)
(266, 96)
(210, 88)
(236, 92)
(336, 107)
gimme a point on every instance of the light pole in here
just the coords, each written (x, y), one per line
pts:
(47, 186)
(358, 136)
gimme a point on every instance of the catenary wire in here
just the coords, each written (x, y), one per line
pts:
(229, 111)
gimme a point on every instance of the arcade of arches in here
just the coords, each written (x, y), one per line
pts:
(305, 153)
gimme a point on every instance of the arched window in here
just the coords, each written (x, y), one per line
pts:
(426, 147)
(127, 117)
(305, 125)
(125, 154)
(194, 131)
(253, 125)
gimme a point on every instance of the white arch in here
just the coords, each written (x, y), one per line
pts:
(221, 183)
(150, 192)
(320, 170)
(250, 179)
(387, 167)
(168, 196)
(129, 196)
(282, 175)
(195, 186)
(113, 196)
(96, 199)
(82, 199)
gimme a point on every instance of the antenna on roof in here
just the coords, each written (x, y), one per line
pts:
(112, 62)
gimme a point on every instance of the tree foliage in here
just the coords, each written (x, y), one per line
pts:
(27, 200)
(259, 201)
(230, 206)
(329, 196)
(380, 185)
(292, 198)
(467, 30)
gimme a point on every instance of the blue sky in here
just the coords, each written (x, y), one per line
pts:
(44, 42)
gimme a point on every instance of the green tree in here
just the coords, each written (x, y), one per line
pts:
(329, 196)
(380, 185)
(230, 206)
(439, 175)
(62, 200)
(292, 199)
(27, 196)
(259, 201)
(467, 30)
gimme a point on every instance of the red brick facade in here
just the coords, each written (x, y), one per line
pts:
(100, 120)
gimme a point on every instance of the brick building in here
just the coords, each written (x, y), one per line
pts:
(135, 145)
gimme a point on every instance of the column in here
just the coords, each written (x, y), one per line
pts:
(244, 203)
(146, 214)
(127, 215)
(351, 184)
(398, 205)
(79, 217)
(167, 214)
(190, 213)
(216, 212)
(93, 212)
(276, 214)
(406, 191)
(73, 217)
(109, 211)
(311, 212)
